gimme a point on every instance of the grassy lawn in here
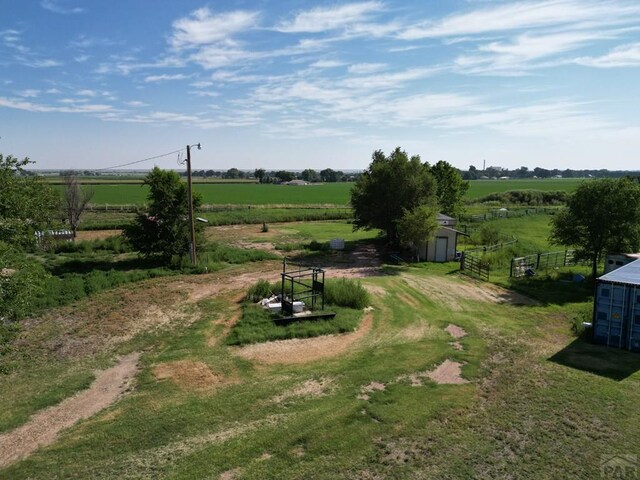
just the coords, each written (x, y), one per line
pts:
(538, 403)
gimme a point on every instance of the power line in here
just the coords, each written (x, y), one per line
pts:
(138, 161)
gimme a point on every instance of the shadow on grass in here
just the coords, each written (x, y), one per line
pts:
(556, 292)
(597, 359)
(88, 265)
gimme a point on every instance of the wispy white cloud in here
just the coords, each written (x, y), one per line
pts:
(327, 64)
(165, 77)
(58, 7)
(203, 27)
(136, 103)
(366, 68)
(201, 84)
(81, 58)
(322, 19)
(29, 93)
(39, 62)
(36, 107)
(621, 56)
(87, 93)
(525, 15)
(523, 52)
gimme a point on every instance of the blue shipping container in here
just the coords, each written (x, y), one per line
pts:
(616, 318)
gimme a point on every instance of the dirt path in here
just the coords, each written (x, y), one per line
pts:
(43, 428)
(306, 349)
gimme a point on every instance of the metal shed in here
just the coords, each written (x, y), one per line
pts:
(616, 313)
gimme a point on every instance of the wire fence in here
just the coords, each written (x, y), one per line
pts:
(522, 266)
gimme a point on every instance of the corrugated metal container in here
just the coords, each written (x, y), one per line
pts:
(616, 316)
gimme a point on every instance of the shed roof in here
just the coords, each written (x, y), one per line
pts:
(442, 216)
(629, 274)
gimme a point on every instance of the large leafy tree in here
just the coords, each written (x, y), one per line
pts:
(392, 186)
(601, 216)
(163, 231)
(27, 203)
(451, 188)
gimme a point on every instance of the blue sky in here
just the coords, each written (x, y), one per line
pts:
(296, 84)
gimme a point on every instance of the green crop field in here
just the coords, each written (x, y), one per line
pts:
(236, 194)
(328, 193)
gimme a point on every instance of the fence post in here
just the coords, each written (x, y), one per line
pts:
(511, 269)
(462, 261)
(538, 262)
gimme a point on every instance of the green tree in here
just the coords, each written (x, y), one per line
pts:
(285, 176)
(21, 280)
(163, 231)
(601, 216)
(451, 188)
(310, 175)
(418, 225)
(259, 173)
(329, 175)
(27, 203)
(391, 186)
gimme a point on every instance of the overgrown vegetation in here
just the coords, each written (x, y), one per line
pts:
(257, 325)
(345, 297)
(525, 197)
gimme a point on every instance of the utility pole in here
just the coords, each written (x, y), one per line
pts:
(192, 245)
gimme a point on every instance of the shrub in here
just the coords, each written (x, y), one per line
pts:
(583, 314)
(488, 235)
(345, 292)
(259, 290)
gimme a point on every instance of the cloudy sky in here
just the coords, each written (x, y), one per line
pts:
(298, 84)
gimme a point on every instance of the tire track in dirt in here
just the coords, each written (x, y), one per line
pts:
(43, 427)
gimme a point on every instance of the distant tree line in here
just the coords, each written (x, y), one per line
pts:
(327, 175)
(523, 172)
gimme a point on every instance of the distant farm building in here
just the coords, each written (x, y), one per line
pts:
(616, 314)
(443, 247)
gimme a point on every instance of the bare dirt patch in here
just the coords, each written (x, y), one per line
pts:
(231, 474)
(363, 261)
(308, 389)
(306, 349)
(367, 390)
(447, 373)
(455, 331)
(97, 234)
(451, 293)
(376, 290)
(457, 346)
(43, 428)
(190, 375)
(205, 286)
